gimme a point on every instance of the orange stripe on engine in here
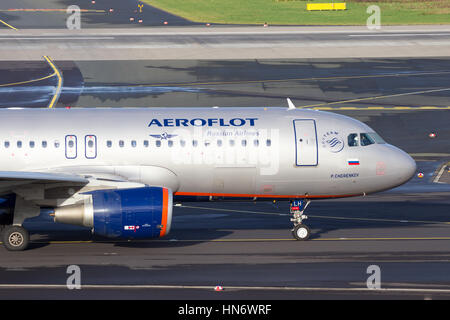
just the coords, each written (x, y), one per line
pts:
(165, 208)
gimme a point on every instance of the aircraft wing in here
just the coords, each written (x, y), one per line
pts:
(11, 180)
(40, 177)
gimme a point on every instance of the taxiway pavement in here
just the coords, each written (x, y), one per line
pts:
(247, 249)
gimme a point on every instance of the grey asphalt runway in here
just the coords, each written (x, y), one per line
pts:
(247, 249)
(403, 99)
(52, 14)
(225, 42)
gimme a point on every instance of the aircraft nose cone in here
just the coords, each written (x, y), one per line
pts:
(406, 166)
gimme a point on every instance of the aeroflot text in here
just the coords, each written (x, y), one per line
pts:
(199, 122)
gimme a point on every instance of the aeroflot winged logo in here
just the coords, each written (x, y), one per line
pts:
(200, 122)
(163, 136)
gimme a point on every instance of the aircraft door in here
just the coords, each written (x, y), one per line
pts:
(71, 147)
(306, 150)
(90, 145)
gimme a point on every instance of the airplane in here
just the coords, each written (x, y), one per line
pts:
(120, 171)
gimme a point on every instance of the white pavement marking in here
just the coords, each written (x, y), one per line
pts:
(260, 288)
(436, 180)
(399, 35)
(56, 38)
(322, 217)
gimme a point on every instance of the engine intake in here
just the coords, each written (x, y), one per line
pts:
(135, 213)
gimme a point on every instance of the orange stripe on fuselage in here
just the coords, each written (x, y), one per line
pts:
(241, 195)
(165, 207)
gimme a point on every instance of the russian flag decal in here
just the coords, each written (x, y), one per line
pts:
(353, 162)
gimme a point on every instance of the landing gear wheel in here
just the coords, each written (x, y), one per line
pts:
(15, 238)
(301, 232)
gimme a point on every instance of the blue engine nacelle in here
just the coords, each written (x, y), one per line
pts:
(135, 213)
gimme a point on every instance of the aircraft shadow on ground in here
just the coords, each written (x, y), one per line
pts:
(197, 224)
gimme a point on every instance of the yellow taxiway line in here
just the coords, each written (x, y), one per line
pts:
(27, 81)
(8, 25)
(374, 98)
(325, 106)
(60, 81)
(382, 108)
(319, 217)
(51, 10)
(247, 240)
(413, 290)
(56, 72)
(292, 79)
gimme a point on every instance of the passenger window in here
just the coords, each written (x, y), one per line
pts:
(56, 144)
(256, 143)
(121, 143)
(109, 143)
(231, 143)
(44, 144)
(194, 143)
(244, 143)
(158, 143)
(207, 143)
(366, 139)
(352, 140)
(182, 143)
(19, 144)
(146, 143)
(31, 144)
(6, 144)
(268, 142)
(71, 143)
(170, 143)
(219, 143)
(133, 143)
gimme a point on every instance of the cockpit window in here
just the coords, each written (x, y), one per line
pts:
(366, 139)
(376, 137)
(353, 140)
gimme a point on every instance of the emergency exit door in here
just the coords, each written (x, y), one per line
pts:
(305, 133)
(90, 146)
(71, 146)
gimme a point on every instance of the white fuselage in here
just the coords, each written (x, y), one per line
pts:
(216, 152)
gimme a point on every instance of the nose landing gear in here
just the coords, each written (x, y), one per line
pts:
(297, 208)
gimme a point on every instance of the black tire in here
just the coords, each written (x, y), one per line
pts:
(301, 232)
(15, 238)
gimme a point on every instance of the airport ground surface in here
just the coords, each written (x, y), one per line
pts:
(244, 247)
(52, 14)
(247, 248)
(224, 42)
(403, 99)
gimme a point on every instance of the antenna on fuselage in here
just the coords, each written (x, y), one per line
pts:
(291, 105)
